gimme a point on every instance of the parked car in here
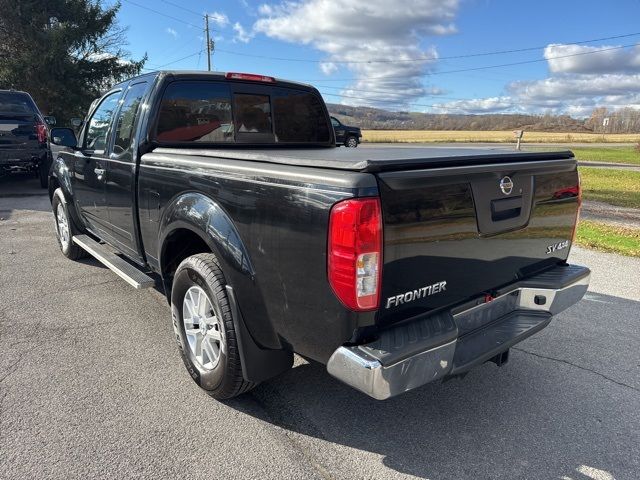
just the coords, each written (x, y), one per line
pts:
(394, 267)
(24, 142)
(348, 136)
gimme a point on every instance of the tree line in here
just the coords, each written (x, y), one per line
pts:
(63, 52)
(602, 120)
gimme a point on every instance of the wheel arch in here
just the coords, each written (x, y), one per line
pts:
(198, 224)
(195, 223)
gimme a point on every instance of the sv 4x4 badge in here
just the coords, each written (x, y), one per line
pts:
(557, 246)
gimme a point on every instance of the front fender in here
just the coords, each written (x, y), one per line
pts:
(60, 176)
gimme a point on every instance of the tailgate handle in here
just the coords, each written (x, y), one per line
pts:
(506, 208)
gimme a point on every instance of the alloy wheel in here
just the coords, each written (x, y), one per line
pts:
(202, 328)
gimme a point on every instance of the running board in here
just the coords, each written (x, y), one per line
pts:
(113, 262)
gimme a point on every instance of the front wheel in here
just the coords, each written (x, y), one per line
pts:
(204, 327)
(351, 142)
(65, 228)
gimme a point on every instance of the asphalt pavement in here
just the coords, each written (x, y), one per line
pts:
(92, 386)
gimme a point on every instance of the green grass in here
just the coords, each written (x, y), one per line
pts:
(609, 154)
(625, 241)
(611, 185)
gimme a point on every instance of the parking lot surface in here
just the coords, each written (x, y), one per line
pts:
(92, 386)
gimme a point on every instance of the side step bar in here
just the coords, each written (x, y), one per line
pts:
(113, 262)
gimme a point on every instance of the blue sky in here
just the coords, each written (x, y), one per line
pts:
(406, 42)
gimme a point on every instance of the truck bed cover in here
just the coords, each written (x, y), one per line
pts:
(374, 159)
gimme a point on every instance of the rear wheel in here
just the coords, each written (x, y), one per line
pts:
(65, 228)
(351, 142)
(204, 327)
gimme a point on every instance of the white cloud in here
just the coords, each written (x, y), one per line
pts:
(219, 19)
(576, 86)
(592, 60)
(364, 30)
(171, 32)
(328, 68)
(476, 105)
(241, 34)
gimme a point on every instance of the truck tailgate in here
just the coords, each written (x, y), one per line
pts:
(453, 234)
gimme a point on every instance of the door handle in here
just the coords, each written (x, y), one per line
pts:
(99, 172)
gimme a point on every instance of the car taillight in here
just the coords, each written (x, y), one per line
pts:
(355, 252)
(575, 226)
(41, 132)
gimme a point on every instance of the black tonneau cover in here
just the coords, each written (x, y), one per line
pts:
(375, 159)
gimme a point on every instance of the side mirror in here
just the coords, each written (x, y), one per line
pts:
(76, 122)
(51, 121)
(64, 137)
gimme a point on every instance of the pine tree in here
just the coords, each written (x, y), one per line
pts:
(63, 52)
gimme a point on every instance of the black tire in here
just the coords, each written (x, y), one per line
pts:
(351, 141)
(68, 248)
(225, 379)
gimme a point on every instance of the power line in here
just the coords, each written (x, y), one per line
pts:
(423, 58)
(443, 107)
(435, 97)
(162, 14)
(176, 50)
(485, 67)
(182, 8)
(158, 67)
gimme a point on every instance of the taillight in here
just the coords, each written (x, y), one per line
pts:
(355, 252)
(41, 132)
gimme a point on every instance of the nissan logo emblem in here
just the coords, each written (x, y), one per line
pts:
(506, 185)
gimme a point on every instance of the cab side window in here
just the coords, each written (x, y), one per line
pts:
(298, 117)
(126, 118)
(98, 125)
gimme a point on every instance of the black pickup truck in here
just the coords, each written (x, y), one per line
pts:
(345, 135)
(393, 266)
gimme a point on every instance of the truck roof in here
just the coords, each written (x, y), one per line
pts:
(218, 76)
(374, 159)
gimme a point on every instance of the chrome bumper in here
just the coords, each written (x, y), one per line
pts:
(390, 366)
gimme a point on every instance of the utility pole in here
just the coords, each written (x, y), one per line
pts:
(206, 28)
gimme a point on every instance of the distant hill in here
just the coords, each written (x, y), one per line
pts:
(624, 121)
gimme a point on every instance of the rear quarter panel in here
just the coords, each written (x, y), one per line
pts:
(280, 215)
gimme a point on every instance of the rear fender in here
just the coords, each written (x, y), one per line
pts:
(204, 217)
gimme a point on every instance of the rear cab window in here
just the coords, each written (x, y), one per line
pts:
(195, 111)
(17, 102)
(221, 112)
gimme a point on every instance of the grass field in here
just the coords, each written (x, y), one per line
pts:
(625, 241)
(416, 136)
(612, 186)
(609, 155)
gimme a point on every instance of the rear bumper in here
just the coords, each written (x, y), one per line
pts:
(451, 343)
(21, 157)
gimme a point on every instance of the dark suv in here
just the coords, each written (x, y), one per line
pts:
(345, 135)
(24, 143)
